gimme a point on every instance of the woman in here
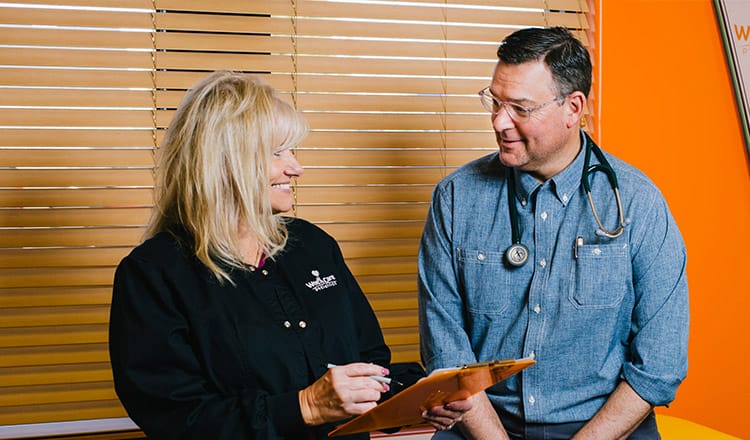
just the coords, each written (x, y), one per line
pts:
(224, 320)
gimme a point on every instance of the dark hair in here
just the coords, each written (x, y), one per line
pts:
(563, 53)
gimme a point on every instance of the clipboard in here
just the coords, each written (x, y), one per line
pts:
(440, 387)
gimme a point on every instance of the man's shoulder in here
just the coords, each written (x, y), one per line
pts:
(630, 176)
(484, 168)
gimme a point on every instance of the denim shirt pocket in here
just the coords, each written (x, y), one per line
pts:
(483, 276)
(601, 276)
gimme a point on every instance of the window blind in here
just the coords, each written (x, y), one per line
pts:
(88, 87)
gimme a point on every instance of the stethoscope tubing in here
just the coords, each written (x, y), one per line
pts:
(517, 254)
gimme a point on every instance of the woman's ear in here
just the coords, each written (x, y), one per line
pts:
(575, 106)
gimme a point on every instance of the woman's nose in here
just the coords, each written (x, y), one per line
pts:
(293, 167)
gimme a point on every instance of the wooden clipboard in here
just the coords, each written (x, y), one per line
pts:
(437, 389)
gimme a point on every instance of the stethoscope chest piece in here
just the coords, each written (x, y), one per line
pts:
(517, 255)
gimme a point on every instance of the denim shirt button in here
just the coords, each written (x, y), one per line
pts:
(532, 355)
(543, 262)
(544, 215)
(480, 257)
(597, 251)
(532, 400)
(537, 308)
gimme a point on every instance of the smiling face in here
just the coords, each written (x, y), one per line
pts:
(283, 167)
(549, 141)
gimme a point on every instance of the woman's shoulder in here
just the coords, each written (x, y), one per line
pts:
(164, 246)
(302, 233)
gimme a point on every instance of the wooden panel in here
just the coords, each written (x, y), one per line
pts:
(405, 353)
(241, 24)
(76, 118)
(375, 285)
(101, 197)
(75, 217)
(56, 374)
(383, 266)
(40, 413)
(372, 175)
(81, 177)
(232, 6)
(351, 139)
(399, 121)
(237, 43)
(75, 138)
(54, 296)
(401, 336)
(394, 301)
(31, 336)
(78, 18)
(414, 102)
(374, 230)
(342, 194)
(364, 212)
(386, 157)
(397, 318)
(75, 38)
(379, 248)
(20, 76)
(141, 4)
(65, 257)
(110, 59)
(54, 355)
(67, 277)
(394, 66)
(72, 236)
(54, 316)
(401, 85)
(76, 98)
(35, 395)
(214, 61)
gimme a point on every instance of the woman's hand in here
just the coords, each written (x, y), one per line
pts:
(342, 392)
(444, 417)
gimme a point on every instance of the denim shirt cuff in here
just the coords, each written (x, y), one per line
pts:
(656, 390)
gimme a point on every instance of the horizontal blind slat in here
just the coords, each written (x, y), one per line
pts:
(55, 296)
(71, 236)
(56, 374)
(42, 413)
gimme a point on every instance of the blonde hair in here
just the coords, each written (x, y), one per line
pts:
(213, 168)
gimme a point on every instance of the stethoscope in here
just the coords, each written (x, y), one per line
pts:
(518, 254)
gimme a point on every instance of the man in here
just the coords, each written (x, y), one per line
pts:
(595, 291)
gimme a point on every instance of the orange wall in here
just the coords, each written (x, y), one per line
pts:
(667, 107)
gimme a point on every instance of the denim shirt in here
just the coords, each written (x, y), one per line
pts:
(613, 309)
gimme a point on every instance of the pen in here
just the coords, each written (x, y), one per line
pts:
(383, 379)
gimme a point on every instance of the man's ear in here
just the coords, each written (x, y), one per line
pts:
(575, 105)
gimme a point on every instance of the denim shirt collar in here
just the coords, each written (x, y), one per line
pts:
(564, 184)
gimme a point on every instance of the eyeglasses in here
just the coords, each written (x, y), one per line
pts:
(517, 112)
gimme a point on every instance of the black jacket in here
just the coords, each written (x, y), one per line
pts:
(196, 359)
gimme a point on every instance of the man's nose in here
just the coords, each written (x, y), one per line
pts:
(501, 120)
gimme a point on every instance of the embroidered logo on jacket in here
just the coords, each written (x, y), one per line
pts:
(319, 283)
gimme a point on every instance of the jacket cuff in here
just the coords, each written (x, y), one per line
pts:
(284, 413)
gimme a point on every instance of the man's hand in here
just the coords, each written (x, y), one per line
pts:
(444, 417)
